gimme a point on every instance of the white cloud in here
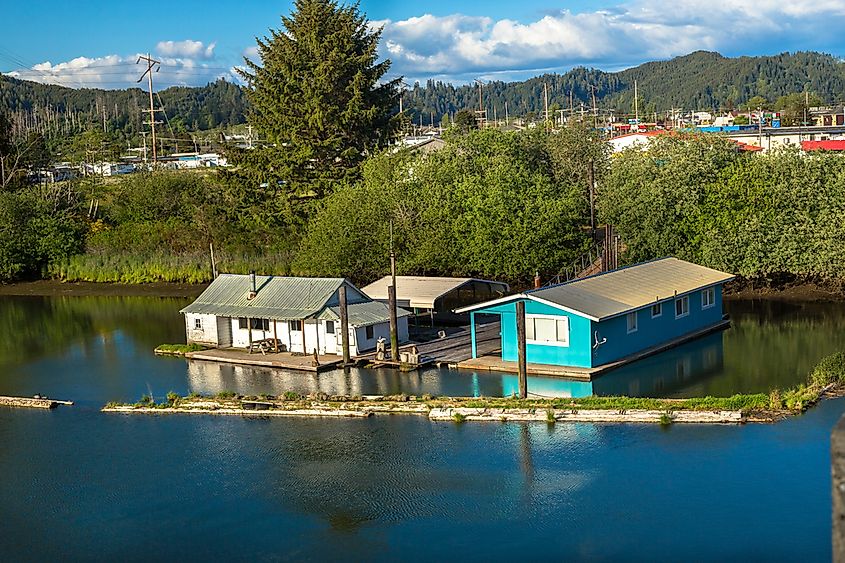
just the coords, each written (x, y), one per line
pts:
(187, 49)
(458, 47)
(118, 72)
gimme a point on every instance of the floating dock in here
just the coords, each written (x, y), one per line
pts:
(496, 363)
(31, 402)
(285, 360)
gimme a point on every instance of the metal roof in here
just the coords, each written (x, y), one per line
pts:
(419, 291)
(620, 291)
(364, 314)
(280, 298)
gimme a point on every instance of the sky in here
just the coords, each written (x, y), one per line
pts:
(96, 43)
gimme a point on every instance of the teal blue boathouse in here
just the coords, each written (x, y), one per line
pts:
(611, 317)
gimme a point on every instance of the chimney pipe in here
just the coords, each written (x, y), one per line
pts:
(537, 280)
(254, 288)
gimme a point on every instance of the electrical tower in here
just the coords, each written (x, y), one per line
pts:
(151, 64)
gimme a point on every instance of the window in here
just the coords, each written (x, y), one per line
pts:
(548, 330)
(708, 298)
(632, 322)
(255, 324)
(682, 307)
(368, 331)
(296, 326)
(329, 327)
(198, 324)
(656, 310)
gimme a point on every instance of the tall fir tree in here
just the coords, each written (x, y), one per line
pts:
(317, 101)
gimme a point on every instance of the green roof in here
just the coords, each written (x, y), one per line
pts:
(279, 298)
(364, 314)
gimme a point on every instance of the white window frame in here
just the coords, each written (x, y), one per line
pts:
(555, 318)
(684, 299)
(632, 326)
(711, 293)
(659, 310)
(198, 323)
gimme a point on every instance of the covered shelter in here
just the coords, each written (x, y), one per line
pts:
(437, 296)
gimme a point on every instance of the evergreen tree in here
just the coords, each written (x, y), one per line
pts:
(317, 101)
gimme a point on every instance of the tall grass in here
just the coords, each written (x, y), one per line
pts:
(162, 267)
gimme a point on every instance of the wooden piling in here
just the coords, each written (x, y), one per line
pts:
(520, 339)
(249, 332)
(344, 323)
(394, 325)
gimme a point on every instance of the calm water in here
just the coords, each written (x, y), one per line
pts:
(77, 484)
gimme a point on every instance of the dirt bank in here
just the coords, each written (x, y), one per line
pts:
(785, 290)
(55, 287)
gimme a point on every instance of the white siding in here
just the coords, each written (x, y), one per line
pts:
(207, 331)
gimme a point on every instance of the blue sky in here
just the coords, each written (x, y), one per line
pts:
(95, 43)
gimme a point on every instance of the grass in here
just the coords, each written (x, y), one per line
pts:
(180, 348)
(829, 374)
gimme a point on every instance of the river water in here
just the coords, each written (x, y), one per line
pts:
(78, 484)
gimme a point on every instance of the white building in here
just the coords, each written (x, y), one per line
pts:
(302, 314)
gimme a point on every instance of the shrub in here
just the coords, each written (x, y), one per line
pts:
(458, 417)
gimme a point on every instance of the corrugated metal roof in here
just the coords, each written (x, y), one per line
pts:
(281, 298)
(613, 293)
(620, 291)
(364, 314)
(419, 291)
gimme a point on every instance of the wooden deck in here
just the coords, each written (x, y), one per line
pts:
(454, 348)
(284, 360)
(496, 363)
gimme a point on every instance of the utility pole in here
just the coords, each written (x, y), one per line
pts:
(151, 64)
(507, 117)
(636, 106)
(595, 107)
(546, 103)
(760, 124)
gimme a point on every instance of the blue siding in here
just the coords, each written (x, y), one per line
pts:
(576, 354)
(653, 331)
(619, 343)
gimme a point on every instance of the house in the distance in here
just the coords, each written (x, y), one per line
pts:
(302, 314)
(610, 318)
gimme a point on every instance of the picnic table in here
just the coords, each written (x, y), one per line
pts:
(266, 345)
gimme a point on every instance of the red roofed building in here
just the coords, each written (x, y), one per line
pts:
(810, 146)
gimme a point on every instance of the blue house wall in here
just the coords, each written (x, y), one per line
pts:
(576, 354)
(618, 342)
(653, 331)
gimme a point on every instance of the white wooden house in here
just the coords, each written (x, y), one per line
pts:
(303, 314)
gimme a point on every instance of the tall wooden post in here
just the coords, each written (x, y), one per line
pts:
(394, 328)
(520, 345)
(249, 332)
(344, 323)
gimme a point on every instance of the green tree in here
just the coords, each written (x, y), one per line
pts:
(465, 121)
(318, 100)
(795, 108)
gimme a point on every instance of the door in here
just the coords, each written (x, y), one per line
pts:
(331, 337)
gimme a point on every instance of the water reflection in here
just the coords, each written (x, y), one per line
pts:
(103, 346)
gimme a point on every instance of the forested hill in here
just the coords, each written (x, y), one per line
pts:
(69, 109)
(701, 80)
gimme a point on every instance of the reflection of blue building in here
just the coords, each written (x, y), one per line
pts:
(611, 318)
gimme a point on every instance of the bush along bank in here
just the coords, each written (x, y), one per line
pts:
(826, 379)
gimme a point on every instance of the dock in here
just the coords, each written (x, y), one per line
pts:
(453, 348)
(32, 402)
(285, 360)
(496, 363)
